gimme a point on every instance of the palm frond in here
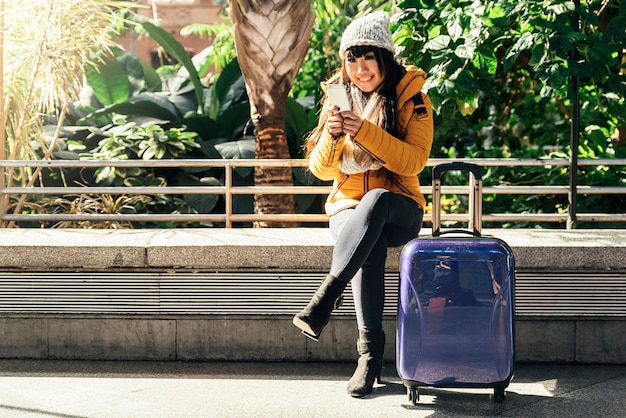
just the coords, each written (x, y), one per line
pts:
(46, 46)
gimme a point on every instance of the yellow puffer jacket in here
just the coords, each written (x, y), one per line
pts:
(402, 159)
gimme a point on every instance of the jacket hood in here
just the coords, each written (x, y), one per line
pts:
(411, 84)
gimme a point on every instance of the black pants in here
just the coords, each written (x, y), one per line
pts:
(382, 219)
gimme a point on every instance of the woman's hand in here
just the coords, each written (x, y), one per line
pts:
(334, 124)
(351, 123)
(345, 122)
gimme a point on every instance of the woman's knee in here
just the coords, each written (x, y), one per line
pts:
(375, 195)
(375, 199)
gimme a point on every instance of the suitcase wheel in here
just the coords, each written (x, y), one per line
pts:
(414, 395)
(498, 394)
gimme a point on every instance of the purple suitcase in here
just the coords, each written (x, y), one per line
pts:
(456, 303)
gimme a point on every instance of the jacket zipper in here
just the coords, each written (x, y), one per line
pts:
(400, 186)
(331, 155)
(366, 176)
(365, 150)
(336, 189)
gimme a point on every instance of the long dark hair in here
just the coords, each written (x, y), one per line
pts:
(392, 72)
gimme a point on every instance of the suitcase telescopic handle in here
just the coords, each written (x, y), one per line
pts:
(475, 196)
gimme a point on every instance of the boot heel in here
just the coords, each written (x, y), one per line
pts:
(306, 328)
(311, 336)
(314, 317)
(378, 380)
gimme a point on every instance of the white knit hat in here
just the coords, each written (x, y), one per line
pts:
(369, 30)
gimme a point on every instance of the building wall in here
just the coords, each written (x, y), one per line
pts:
(172, 15)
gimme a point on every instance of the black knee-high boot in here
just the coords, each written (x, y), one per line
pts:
(371, 347)
(312, 319)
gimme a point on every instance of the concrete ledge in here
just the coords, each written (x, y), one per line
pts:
(126, 336)
(271, 338)
(282, 249)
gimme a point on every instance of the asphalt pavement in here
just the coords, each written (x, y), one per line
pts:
(114, 389)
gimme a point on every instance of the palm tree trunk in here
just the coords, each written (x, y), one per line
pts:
(271, 38)
(272, 144)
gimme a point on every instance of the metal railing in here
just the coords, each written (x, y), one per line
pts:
(228, 190)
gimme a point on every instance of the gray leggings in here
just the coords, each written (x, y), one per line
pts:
(382, 219)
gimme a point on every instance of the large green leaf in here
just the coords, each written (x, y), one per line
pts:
(153, 81)
(176, 50)
(242, 149)
(438, 43)
(144, 104)
(296, 116)
(204, 203)
(237, 150)
(229, 88)
(234, 119)
(201, 202)
(206, 127)
(243, 203)
(134, 71)
(616, 30)
(184, 101)
(109, 82)
(141, 75)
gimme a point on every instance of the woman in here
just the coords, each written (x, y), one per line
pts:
(374, 154)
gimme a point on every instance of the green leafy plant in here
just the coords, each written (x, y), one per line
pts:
(98, 204)
(496, 61)
(45, 53)
(176, 50)
(219, 54)
(126, 140)
(501, 76)
(133, 118)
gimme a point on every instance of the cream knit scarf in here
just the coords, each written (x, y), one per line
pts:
(370, 107)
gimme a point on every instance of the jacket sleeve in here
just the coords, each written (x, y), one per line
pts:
(324, 159)
(405, 157)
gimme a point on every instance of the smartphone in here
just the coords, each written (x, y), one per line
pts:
(338, 96)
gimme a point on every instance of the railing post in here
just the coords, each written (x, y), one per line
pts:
(2, 195)
(575, 129)
(228, 196)
(2, 117)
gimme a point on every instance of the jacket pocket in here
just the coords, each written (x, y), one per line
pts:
(334, 191)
